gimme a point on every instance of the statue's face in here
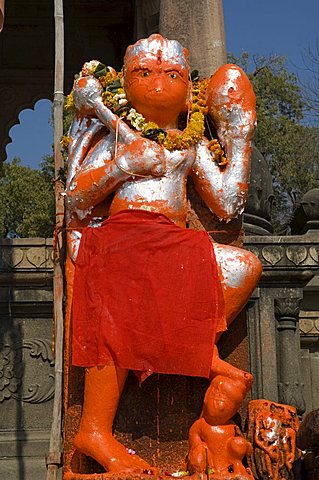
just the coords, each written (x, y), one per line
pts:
(222, 400)
(154, 84)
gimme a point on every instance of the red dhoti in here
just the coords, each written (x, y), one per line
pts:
(145, 296)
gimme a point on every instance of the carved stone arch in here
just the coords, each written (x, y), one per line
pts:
(23, 99)
(27, 49)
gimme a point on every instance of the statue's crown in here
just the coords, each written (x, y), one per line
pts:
(155, 45)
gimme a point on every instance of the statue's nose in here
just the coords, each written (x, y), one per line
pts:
(157, 84)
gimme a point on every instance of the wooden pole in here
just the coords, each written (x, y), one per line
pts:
(1, 14)
(54, 458)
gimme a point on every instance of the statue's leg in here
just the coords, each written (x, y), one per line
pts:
(102, 392)
(239, 271)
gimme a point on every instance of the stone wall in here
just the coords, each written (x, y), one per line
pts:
(26, 363)
(283, 371)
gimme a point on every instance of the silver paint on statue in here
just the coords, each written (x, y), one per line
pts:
(169, 50)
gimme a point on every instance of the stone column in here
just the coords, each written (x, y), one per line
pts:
(198, 26)
(290, 386)
(262, 344)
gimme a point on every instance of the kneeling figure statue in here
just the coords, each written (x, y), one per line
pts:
(149, 294)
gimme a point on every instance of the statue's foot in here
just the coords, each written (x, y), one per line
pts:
(220, 367)
(109, 453)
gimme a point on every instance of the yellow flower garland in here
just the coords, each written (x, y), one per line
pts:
(114, 98)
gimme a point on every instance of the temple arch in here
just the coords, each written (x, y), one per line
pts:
(30, 143)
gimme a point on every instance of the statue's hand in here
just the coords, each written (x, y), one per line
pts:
(232, 103)
(141, 157)
(87, 94)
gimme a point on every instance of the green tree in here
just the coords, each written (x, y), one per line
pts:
(290, 146)
(27, 200)
(311, 84)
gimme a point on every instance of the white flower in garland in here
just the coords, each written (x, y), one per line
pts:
(121, 98)
(89, 68)
(136, 119)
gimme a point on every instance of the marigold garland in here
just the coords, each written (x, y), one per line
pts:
(115, 99)
(69, 102)
(64, 142)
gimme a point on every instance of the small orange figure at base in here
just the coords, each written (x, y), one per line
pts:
(217, 446)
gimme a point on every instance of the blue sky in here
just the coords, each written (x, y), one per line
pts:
(284, 27)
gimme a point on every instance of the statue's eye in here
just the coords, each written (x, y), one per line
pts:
(173, 75)
(145, 73)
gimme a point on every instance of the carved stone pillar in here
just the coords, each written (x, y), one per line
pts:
(198, 26)
(257, 214)
(289, 386)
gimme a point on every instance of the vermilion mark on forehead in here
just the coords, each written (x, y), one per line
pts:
(159, 56)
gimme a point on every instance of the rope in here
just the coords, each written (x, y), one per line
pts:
(115, 154)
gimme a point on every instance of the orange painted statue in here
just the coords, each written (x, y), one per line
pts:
(217, 446)
(151, 295)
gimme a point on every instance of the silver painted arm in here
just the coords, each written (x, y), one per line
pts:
(82, 133)
(94, 175)
(223, 191)
(231, 103)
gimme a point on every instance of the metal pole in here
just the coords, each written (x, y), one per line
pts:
(54, 458)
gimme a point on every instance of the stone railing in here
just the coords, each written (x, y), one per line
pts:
(26, 363)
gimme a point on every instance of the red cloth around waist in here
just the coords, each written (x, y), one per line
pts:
(145, 296)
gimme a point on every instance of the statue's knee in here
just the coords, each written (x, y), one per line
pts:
(254, 265)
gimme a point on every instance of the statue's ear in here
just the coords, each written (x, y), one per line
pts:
(186, 54)
(189, 98)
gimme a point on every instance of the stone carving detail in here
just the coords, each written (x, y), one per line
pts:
(273, 255)
(33, 256)
(306, 216)
(314, 253)
(309, 326)
(286, 255)
(257, 214)
(11, 257)
(287, 307)
(290, 388)
(12, 372)
(272, 431)
(291, 393)
(296, 254)
(36, 256)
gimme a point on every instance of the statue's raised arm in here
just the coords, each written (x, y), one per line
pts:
(95, 172)
(232, 107)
